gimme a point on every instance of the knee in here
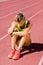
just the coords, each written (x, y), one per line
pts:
(27, 36)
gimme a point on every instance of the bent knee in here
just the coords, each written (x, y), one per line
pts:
(27, 36)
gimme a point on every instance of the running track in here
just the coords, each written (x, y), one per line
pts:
(33, 10)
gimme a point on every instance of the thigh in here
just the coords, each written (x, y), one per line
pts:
(28, 40)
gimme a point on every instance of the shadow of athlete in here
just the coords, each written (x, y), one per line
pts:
(34, 47)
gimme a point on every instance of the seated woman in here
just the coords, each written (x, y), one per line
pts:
(20, 35)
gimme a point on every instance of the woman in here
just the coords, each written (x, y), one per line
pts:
(20, 34)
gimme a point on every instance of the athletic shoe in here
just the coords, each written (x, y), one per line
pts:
(11, 53)
(16, 55)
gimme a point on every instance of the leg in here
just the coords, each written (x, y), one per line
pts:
(25, 41)
(14, 38)
(22, 42)
(28, 40)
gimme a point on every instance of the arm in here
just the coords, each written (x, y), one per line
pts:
(24, 32)
(10, 30)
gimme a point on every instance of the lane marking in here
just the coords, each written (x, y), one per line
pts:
(13, 5)
(29, 19)
(35, 14)
(4, 37)
(41, 61)
(18, 10)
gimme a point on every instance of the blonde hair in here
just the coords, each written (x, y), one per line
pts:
(20, 16)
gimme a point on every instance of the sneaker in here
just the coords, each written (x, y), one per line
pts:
(11, 53)
(16, 55)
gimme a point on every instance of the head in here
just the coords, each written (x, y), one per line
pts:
(20, 18)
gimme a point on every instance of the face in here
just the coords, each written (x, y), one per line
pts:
(21, 23)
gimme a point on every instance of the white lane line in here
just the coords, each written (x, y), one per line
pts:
(19, 10)
(35, 14)
(3, 37)
(12, 5)
(29, 19)
(41, 61)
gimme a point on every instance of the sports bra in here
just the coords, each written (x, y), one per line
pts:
(27, 22)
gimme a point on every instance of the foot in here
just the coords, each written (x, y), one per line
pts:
(16, 55)
(11, 53)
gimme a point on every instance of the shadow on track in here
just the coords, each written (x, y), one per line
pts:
(34, 47)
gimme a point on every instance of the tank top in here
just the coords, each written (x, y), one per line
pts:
(27, 23)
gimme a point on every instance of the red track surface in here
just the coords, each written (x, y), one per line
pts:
(8, 9)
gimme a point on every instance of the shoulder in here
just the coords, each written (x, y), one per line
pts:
(27, 22)
(14, 23)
